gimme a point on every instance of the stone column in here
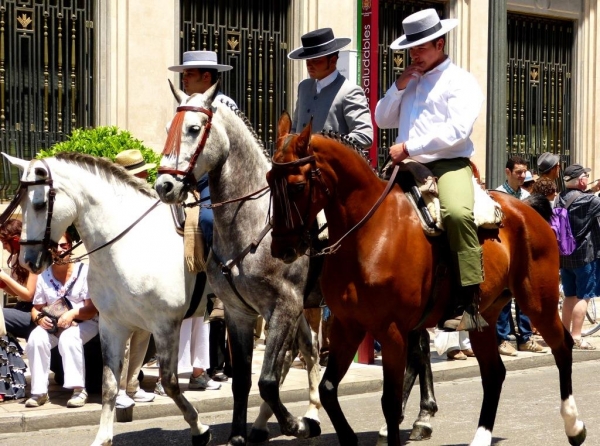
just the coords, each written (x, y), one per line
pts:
(496, 95)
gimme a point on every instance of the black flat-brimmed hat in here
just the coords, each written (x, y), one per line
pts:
(422, 26)
(317, 43)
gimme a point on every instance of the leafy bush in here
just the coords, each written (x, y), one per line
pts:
(103, 142)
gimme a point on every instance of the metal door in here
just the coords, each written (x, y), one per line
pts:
(538, 108)
(46, 76)
(251, 36)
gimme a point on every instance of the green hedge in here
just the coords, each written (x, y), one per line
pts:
(104, 142)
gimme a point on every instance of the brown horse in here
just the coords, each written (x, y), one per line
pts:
(384, 272)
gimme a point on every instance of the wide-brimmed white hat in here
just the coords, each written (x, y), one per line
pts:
(133, 161)
(422, 26)
(200, 59)
(317, 43)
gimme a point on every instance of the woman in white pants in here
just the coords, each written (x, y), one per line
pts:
(75, 328)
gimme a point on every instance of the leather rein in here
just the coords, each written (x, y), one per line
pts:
(316, 174)
(47, 242)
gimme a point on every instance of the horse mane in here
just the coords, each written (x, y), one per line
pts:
(240, 114)
(112, 170)
(347, 141)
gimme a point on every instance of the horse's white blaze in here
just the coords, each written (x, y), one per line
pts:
(483, 437)
(568, 410)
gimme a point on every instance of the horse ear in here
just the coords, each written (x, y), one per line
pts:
(18, 162)
(284, 125)
(213, 91)
(180, 96)
(304, 137)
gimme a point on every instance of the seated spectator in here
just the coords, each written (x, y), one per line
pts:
(18, 322)
(75, 328)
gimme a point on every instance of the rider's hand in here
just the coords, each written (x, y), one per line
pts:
(398, 153)
(411, 72)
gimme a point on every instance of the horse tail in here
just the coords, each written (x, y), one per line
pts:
(541, 204)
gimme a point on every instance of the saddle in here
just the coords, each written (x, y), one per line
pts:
(420, 187)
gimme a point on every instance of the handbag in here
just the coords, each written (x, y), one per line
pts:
(59, 307)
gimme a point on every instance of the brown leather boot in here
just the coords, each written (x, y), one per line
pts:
(471, 318)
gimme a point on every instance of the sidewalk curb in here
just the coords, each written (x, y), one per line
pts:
(53, 418)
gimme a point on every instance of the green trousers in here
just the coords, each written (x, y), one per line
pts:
(455, 186)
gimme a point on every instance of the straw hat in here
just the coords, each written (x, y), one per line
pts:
(422, 26)
(317, 43)
(133, 161)
(200, 59)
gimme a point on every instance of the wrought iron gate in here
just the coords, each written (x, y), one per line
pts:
(538, 109)
(46, 76)
(393, 62)
(251, 37)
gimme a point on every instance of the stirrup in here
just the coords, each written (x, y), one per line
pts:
(472, 320)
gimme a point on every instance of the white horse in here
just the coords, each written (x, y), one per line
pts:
(236, 163)
(137, 283)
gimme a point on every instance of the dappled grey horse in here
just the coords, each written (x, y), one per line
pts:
(216, 138)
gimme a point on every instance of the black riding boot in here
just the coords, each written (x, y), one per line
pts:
(469, 305)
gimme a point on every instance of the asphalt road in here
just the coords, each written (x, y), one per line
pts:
(528, 415)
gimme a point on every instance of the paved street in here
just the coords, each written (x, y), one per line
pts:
(528, 416)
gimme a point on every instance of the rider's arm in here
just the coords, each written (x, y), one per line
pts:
(387, 111)
(358, 117)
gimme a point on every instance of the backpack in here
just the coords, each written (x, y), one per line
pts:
(559, 221)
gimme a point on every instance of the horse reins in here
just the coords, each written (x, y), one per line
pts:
(316, 173)
(188, 175)
(47, 242)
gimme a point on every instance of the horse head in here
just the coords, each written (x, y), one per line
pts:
(298, 191)
(46, 214)
(191, 147)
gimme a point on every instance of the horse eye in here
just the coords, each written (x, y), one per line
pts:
(297, 188)
(39, 206)
(195, 129)
(39, 172)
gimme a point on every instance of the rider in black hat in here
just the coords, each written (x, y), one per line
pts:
(329, 98)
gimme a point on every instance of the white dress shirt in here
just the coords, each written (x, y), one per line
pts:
(434, 114)
(327, 80)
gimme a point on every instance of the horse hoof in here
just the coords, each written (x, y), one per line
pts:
(202, 439)
(420, 432)
(258, 436)
(578, 439)
(313, 427)
(238, 440)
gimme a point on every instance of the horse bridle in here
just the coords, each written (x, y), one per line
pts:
(280, 193)
(47, 242)
(188, 176)
(315, 173)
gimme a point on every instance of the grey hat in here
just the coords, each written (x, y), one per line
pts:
(200, 59)
(547, 161)
(422, 26)
(575, 171)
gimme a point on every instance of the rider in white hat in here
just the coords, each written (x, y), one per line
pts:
(434, 105)
(201, 71)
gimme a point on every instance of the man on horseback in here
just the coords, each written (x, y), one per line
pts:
(200, 72)
(333, 102)
(434, 104)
